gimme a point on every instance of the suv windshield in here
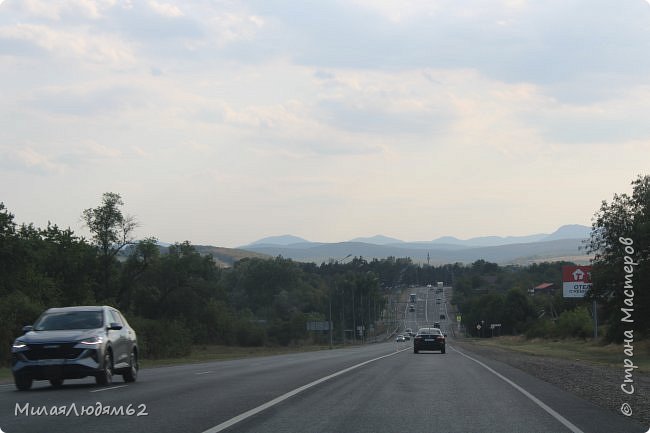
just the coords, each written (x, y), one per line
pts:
(69, 320)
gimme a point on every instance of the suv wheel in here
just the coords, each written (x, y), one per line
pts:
(131, 374)
(105, 377)
(23, 383)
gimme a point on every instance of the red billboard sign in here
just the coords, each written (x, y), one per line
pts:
(576, 281)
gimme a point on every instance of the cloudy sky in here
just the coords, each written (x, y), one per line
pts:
(222, 122)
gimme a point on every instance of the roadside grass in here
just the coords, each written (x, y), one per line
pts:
(207, 353)
(595, 352)
(5, 374)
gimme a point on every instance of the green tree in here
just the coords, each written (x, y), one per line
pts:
(111, 231)
(621, 229)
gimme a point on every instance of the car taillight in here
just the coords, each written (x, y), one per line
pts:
(440, 338)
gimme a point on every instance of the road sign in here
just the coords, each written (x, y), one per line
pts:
(318, 326)
(576, 281)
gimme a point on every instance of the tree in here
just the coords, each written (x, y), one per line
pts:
(111, 231)
(620, 234)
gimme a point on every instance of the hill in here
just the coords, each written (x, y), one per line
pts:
(226, 257)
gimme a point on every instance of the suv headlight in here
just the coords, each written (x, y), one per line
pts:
(92, 341)
(19, 344)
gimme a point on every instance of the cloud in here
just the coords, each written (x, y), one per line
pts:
(86, 100)
(80, 45)
(29, 160)
(165, 9)
(552, 44)
(58, 10)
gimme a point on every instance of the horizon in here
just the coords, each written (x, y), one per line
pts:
(220, 123)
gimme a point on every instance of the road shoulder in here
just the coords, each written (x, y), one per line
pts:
(598, 384)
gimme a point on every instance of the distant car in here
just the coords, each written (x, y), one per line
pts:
(429, 339)
(436, 324)
(400, 338)
(407, 337)
(75, 342)
(443, 317)
(411, 308)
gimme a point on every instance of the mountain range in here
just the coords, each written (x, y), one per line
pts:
(566, 243)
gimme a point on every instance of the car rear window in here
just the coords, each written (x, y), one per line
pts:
(430, 331)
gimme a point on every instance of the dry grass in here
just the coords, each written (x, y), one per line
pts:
(610, 354)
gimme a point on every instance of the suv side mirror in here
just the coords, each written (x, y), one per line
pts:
(114, 326)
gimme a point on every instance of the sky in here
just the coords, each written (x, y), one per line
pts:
(223, 122)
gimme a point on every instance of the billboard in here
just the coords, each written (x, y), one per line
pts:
(576, 281)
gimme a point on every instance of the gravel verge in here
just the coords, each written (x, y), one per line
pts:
(599, 384)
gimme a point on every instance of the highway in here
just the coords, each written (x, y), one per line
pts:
(377, 388)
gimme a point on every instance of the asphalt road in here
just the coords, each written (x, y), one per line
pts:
(376, 388)
(396, 393)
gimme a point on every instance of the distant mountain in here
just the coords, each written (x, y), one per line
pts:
(377, 240)
(571, 231)
(561, 249)
(280, 240)
(490, 241)
(563, 244)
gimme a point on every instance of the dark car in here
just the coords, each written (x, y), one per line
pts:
(75, 342)
(429, 339)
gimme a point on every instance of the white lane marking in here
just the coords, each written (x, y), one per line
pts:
(232, 421)
(203, 372)
(534, 399)
(108, 389)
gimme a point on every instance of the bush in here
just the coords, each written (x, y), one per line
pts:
(16, 311)
(250, 335)
(161, 339)
(542, 328)
(575, 324)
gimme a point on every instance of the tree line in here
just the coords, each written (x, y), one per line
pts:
(175, 297)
